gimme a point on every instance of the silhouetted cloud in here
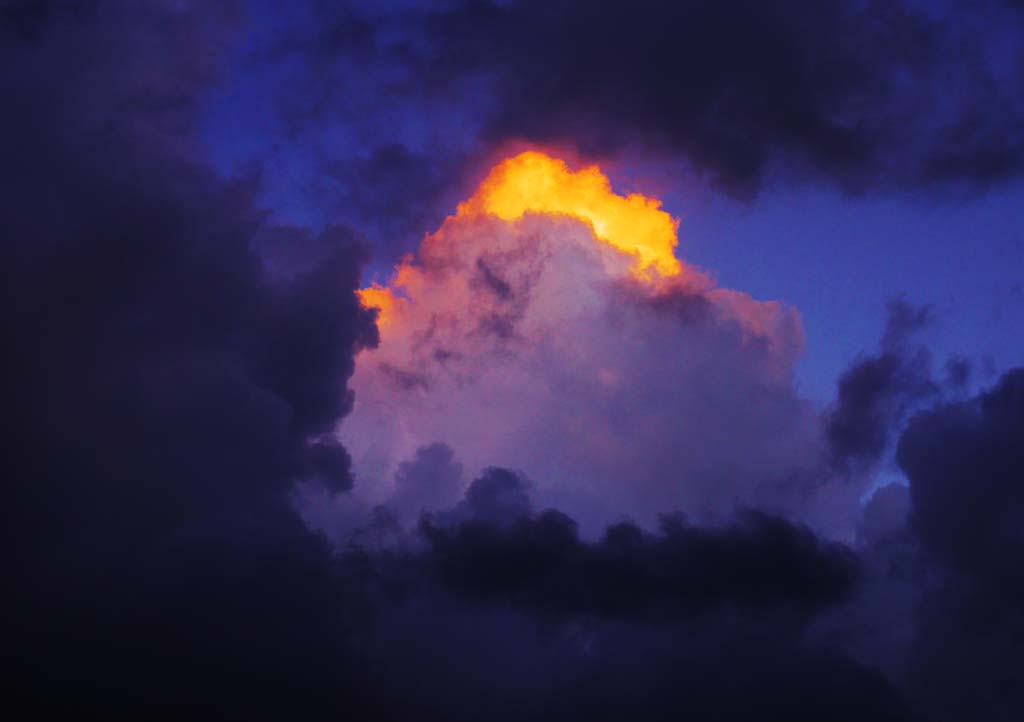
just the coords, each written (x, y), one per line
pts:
(877, 391)
(965, 463)
(739, 89)
(706, 621)
(532, 344)
(539, 563)
(431, 480)
(177, 364)
(167, 389)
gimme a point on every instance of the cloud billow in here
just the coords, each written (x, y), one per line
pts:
(558, 335)
(742, 91)
(167, 388)
(179, 366)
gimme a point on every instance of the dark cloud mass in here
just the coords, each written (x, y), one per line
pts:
(381, 111)
(736, 86)
(540, 563)
(965, 463)
(633, 624)
(179, 363)
(877, 391)
(740, 89)
(164, 391)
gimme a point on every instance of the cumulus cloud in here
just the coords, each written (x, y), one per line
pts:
(937, 609)
(431, 480)
(179, 366)
(168, 386)
(533, 336)
(493, 594)
(539, 563)
(965, 463)
(878, 390)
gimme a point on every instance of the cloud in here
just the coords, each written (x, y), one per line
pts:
(383, 116)
(539, 563)
(885, 514)
(180, 365)
(557, 334)
(965, 462)
(877, 391)
(743, 92)
(431, 480)
(937, 609)
(962, 461)
(169, 387)
(710, 621)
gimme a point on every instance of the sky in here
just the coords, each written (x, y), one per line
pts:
(811, 244)
(507, 359)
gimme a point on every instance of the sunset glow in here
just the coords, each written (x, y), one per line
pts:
(380, 298)
(505, 360)
(536, 183)
(533, 182)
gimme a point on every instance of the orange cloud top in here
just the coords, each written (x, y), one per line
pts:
(378, 297)
(533, 182)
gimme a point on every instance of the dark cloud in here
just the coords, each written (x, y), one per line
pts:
(706, 622)
(379, 115)
(472, 663)
(877, 391)
(540, 563)
(329, 465)
(877, 624)
(499, 495)
(738, 88)
(167, 389)
(938, 609)
(393, 191)
(431, 480)
(26, 19)
(885, 514)
(958, 371)
(903, 321)
(965, 463)
(177, 363)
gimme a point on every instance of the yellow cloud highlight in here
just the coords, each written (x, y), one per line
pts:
(533, 182)
(380, 298)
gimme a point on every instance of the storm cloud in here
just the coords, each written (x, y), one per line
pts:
(743, 92)
(580, 480)
(166, 389)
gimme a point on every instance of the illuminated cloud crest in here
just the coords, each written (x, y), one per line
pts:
(177, 363)
(548, 327)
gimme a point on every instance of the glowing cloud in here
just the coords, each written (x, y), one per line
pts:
(533, 182)
(548, 327)
(380, 298)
